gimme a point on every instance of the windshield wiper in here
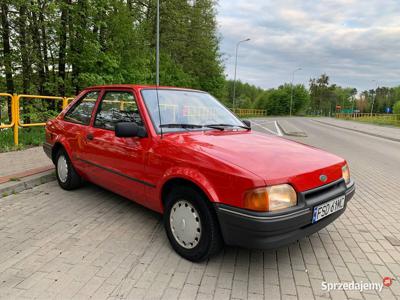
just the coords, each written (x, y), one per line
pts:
(222, 126)
(178, 125)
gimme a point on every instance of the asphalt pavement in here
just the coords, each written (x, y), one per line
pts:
(91, 243)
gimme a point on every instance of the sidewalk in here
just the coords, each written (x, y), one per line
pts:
(386, 132)
(20, 170)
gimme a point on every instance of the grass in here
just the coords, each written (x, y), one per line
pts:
(375, 120)
(28, 137)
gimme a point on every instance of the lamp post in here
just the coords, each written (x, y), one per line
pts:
(373, 99)
(234, 79)
(158, 45)
(291, 95)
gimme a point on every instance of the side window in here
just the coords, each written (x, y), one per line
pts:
(82, 111)
(115, 107)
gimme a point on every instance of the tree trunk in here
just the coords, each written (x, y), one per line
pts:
(7, 55)
(37, 46)
(62, 49)
(23, 49)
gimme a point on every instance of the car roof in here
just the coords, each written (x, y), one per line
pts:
(139, 86)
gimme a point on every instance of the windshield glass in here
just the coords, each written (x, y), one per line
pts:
(186, 107)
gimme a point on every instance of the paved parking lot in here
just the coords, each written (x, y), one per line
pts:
(91, 243)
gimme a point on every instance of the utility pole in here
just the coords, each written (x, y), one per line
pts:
(158, 45)
(291, 95)
(234, 80)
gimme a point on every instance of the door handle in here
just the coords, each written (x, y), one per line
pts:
(90, 136)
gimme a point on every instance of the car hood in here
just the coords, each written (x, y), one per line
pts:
(276, 160)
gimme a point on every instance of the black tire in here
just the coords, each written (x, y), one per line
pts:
(210, 241)
(72, 180)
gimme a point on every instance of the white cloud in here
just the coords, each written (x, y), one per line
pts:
(353, 41)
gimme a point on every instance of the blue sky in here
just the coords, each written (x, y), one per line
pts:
(353, 41)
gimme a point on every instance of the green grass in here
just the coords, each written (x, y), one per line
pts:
(28, 137)
(375, 120)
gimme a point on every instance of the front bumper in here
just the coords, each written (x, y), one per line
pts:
(249, 229)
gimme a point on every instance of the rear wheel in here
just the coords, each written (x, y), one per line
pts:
(191, 224)
(67, 177)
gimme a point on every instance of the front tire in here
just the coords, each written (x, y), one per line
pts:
(67, 177)
(191, 224)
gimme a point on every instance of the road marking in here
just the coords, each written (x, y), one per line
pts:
(278, 129)
(279, 133)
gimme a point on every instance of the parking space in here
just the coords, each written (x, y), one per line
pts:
(91, 243)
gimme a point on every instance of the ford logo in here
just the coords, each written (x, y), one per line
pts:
(323, 178)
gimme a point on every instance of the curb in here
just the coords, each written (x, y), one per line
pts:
(359, 131)
(289, 129)
(29, 182)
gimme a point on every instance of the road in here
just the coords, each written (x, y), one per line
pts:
(92, 243)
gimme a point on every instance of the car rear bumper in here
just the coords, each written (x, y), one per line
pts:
(248, 229)
(47, 148)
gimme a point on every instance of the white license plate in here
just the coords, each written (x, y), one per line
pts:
(327, 208)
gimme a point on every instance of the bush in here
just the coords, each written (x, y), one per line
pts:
(396, 108)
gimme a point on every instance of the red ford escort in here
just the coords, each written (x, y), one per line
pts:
(181, 153)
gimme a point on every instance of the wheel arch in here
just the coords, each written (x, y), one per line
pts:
(204, 189)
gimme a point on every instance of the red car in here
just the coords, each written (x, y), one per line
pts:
(183, 154)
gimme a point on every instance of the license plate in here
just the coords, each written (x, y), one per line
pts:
(324, 210)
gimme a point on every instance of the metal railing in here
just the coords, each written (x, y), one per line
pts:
(249, 112)
(16, 106)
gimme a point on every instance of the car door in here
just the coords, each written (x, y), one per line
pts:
(117, 163)
(75, 124)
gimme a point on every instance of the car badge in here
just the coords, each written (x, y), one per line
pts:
(323, 178)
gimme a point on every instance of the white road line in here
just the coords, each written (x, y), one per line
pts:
(273, 132)
(278, 129)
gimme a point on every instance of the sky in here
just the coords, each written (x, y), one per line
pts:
(355, 42)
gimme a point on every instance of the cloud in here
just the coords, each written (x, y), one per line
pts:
(353, 41)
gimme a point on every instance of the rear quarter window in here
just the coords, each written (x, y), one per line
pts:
(81, 112)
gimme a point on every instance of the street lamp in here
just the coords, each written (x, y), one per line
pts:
(291, 96)
(373, 99)
(158, 44)
(234, 80)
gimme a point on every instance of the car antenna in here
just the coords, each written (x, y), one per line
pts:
(158, 64)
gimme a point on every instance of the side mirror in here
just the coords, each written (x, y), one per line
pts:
(129, 129)
(247, 123)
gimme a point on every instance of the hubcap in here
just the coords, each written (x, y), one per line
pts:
(185, 224)
(62, 168)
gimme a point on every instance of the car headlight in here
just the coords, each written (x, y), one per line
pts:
(270, 198)
(346, 174)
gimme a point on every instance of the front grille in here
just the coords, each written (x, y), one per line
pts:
(324, 193)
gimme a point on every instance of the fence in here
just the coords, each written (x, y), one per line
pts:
(16, 107)
(391, 119)
(249, 112)
(16, 121)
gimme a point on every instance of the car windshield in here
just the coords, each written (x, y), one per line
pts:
(182, 110)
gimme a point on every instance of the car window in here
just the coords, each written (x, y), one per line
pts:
(115, 107)
(81, 112)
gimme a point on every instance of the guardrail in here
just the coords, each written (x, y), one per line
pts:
(249, 112)
(16, 121)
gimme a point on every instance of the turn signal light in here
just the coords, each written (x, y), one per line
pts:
(271, 198)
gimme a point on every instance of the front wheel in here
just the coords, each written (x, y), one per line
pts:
(191, 224)
(67, 177)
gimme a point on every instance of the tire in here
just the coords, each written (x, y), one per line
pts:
(184, 205)
(67, 177)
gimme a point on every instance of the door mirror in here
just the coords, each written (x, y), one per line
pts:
(247, 123)
(129, 129)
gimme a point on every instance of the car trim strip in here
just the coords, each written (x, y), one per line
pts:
(118, 173)
(301, 212)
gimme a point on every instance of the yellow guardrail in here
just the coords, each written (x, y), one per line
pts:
(16, 121)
